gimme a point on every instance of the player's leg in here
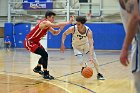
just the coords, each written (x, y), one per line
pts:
(79, 56)
(95, 62)
(96, 65)
(32, 47)
(137, 81)
(37, 69)
(44, 61)
(35, 48)
(81, 61)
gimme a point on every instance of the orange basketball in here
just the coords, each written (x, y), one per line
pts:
(87, 72)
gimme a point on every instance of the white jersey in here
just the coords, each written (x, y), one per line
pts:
(79, 39)
(80, 42)
(135, 53)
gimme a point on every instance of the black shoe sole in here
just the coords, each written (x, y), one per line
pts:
(41, 73)
(49, 78)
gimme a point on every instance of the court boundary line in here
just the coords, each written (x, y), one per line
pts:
(57, 78)
(41, 81)
(92, 67)
(80, 71)
(77, 85)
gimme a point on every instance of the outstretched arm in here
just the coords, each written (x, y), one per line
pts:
(45, 24)
(56, 32)
(67, 32)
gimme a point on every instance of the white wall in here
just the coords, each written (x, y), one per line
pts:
(3, 7)
(110, 6)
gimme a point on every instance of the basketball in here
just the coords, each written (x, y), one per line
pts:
(87, 72)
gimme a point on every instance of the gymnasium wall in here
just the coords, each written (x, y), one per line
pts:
(107, 36)
(3, 7)
(110, 6)
(1, 37)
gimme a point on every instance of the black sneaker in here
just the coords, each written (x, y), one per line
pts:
(37, 70)
(100, 77)
(47, 76)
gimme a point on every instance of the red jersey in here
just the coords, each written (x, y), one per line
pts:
(36, 33)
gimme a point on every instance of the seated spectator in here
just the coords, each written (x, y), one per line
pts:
(7, 43)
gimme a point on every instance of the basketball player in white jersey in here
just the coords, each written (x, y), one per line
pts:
(82, 43)
(130, 10)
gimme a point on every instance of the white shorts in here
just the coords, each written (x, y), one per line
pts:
(135, 55)
(83, 49)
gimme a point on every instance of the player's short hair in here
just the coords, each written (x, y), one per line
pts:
(81, 19)
(49, 13)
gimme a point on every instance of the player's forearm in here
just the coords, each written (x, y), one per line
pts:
(131, 31)
(54, 25)
(91, 50)
(63, 23)
(63, 38)
(66, 23)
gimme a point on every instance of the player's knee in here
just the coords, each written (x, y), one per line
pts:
(80, 59)
(45, 55)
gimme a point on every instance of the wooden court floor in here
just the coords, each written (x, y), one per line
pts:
(16, 75)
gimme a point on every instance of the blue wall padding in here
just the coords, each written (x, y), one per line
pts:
(107, 36)
(8, 31)
(20, 32)
(17, 33)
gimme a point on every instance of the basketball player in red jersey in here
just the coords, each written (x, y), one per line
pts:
(32, 44)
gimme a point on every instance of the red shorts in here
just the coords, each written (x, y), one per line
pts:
(31, 45)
